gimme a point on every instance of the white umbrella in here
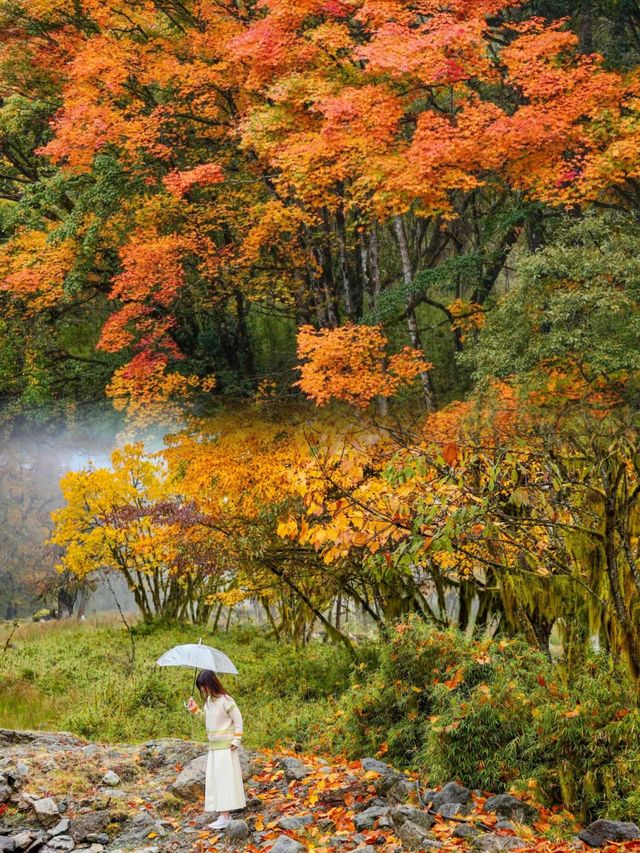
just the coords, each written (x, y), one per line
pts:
(198, 656)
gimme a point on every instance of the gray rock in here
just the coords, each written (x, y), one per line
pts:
(508, 807)
(47, 811)
(91, 750)
(5, 792)
(449, 810)
(23, 839)
(87, 826)
(489, 842)
(190, 782)
(294, 770)
(466, 830)
(295, 822)
(401, 814)
(111, 779)
(237, 830)
(61, 828)
(601, 832)
(372, 764)
(506, 824)
(61, 842)
(394, 786)
(366, 849)
(284, 844)
(367, 804)
(368, 818)
(416, 837)
(451, 793)
(7, 844)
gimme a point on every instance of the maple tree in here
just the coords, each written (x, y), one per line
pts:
(185, 164)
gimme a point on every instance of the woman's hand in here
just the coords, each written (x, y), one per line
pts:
(233, 746)
(192, 705)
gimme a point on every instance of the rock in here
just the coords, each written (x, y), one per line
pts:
(88, 826)
(449, 810)
(367, 804)
(50, 741)
(601, 832)
(368, 818)
(237, 830)
(23, 839)
(489, 842)
(466, 830)
(190, 782)
(451, 793)
(111, 779)
(395, 787)
(61, 828)
(366, 849)
(5, 792)
(508, 807)
(506, 824)
(416, 837)
(25, 801)
(91, 750)
(284, 844)
(61, 842)
(401, 791)
(294, 770)
(296, 822)
(47, 811)
(372, 764)
(7, 845)
(401, 814)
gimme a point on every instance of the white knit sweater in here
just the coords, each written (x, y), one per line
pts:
(223, 720)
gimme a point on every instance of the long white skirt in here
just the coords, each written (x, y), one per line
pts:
(224, 790)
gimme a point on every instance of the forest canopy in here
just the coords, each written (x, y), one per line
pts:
(376, 263)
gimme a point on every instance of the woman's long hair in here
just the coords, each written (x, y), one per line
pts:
(209, 684)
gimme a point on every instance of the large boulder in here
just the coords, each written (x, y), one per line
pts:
(603, 832)
(190, 782)
(508, 807)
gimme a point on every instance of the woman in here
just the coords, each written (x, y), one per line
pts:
(224, 790)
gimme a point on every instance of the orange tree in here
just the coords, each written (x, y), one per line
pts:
(173, 165)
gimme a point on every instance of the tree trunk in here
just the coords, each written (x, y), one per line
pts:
(412, 321)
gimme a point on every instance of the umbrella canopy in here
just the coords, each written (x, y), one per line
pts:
(198, 656)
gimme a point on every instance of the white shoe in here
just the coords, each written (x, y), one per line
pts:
(220, 823)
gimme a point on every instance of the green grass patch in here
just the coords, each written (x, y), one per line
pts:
(78, 677)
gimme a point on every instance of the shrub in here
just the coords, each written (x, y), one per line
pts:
(498, 716)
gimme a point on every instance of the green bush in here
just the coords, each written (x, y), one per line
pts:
(498, 716)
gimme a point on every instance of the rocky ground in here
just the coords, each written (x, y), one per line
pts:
(61, 793)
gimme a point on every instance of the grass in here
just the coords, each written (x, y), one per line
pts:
(79, 677)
